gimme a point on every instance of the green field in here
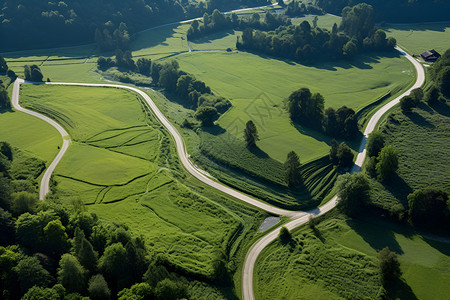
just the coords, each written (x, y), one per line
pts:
(339, 261)
(417, 38)
(33, 136)
(124, 167)
(257, 87)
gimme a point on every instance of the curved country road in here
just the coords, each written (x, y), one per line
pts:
(302, 218)
(297, 218)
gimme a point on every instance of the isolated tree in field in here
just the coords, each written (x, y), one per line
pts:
(407, 103)
(4, 98)
(429, 207)
(292, 169)
(345, 156)
(387, 162)
(375, 142)
(353, 193)
(71, 274)
(250, 134)
(98, 288)
(417, 95)
(207, 115)
(285, 235)
(389, 265)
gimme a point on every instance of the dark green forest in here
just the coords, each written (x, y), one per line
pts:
(399, 11)
(35, 24)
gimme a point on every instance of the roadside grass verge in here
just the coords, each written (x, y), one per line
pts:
(339, 261)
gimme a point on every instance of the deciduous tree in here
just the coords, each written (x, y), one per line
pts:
(250, 134)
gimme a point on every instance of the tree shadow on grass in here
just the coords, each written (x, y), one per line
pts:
(208, 39)
(442, 247)
(399, 289)
(378, 237)
(398, 188)
(255, 150)
(442, 109)
(419, 120)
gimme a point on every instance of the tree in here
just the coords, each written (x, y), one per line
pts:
(40, 293)
(334, 151)
(387, 162)
(31, 273)
(55, 237)
(170, 290)
(98, 288)
(433, 95)
(429, 207)
(154, 274)
(23, 202)
(444, 81)
(371, 166)
(250, 134)
(87, 256)
(358, 21)
(144, 66)
(417, 94)
(285, 235)
(3, 65)
(71, 274)
(4, 98)
(207, 115)
(345, 156)
(138, 291)
(375, 142)
(168, 76)
(292, 169)
(353, 193)
(407, 103)
(114, 265)
(389, 265)
(350, 49)
(36, 74)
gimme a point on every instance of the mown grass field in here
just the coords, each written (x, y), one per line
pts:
(124, 167)
(339, 261)
(258, 86)
(31, 135)
(417, 38)
(421, 139)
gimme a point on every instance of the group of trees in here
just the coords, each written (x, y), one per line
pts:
(119, 39)
(300, 9)
(37, 24)
(191, 92)
(33, 73)
(382, 160)
(307, 109)
(10, 76)
(341, 155)
(396, 11)
(219, 21)
(307, 44)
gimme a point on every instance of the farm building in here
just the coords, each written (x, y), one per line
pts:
(431, 55)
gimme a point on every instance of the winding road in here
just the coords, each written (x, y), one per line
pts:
(297, 218)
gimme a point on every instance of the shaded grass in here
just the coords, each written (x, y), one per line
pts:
(340, 261)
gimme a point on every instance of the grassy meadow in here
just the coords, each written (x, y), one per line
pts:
(421, 139)
(339, 261)
(123, 166)
(417, 38)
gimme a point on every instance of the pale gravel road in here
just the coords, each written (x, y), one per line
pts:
(301, 218)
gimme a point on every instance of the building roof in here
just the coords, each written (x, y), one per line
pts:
(430, 55)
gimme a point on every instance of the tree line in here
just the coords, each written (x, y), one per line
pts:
(190, 91)
(53, 251)
(397, 11)
(218, 21)
(38, 24)
(307, 109)
(300, 9)
(307, 44)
